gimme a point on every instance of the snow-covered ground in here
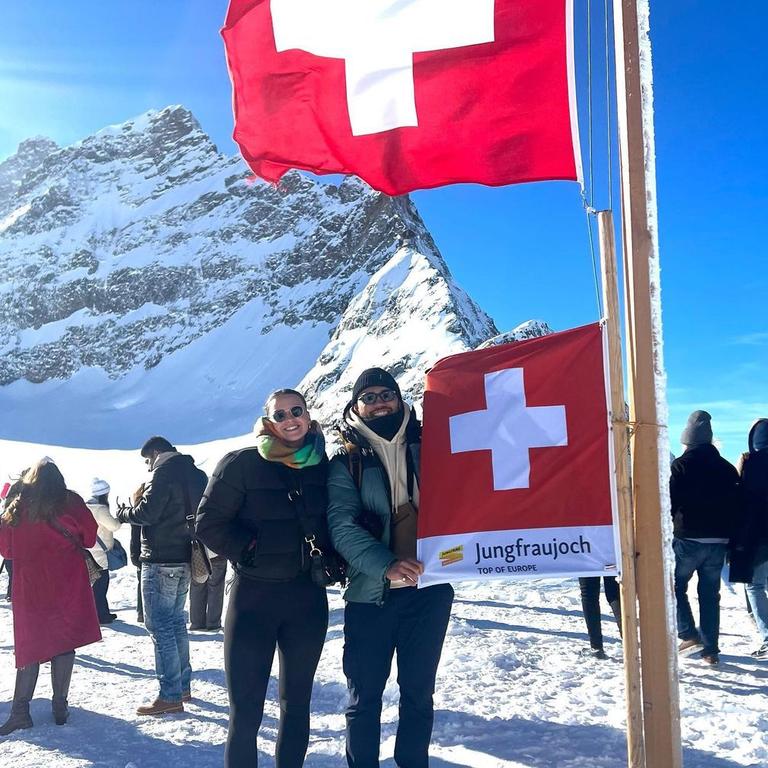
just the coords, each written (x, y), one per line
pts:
(514, 690)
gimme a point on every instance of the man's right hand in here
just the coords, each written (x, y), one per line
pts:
(406, 571)
(137, 495)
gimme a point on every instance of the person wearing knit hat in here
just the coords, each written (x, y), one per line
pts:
(99, 488)
(754, 488)
(698, 430)
(705, 506)
(98, 503)
(373, 502)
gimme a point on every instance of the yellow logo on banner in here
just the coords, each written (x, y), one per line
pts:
(451, 556)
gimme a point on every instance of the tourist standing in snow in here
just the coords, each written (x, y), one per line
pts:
(260, 509)
(705, 506)
(373, 493)
(162, 509)
(206, 600)
(589, 586)
(99, 506)
(44, 530)
(754, 487)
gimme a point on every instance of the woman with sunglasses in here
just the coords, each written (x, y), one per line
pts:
(265, 509)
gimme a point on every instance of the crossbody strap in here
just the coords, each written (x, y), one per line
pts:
(189, 515)
(296, 497)
(63, 530)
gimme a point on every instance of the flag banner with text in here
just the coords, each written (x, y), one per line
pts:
(406, 94)
(517, 462)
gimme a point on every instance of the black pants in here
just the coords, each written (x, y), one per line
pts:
(100, 587)
(412, 622)
(139, 599)
(292, 616)
(206, 600)
(590, 604)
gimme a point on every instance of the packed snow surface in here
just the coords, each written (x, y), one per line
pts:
(513, 689)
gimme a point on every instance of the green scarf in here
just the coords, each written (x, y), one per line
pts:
(272, 448)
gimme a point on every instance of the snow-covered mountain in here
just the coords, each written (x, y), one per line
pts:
(150, 287)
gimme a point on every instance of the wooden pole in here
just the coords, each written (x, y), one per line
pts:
(661, 709)
(620, 431)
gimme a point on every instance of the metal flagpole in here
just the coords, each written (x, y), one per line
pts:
(661, 708)
(620, 432)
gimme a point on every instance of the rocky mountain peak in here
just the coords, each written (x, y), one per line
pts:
(151, 287)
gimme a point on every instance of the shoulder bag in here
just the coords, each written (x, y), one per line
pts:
(94, 569)
(117, 557)
(325, 568)
(200, 563)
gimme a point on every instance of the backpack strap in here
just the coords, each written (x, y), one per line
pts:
(355, 463)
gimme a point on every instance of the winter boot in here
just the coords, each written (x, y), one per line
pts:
(61, 675)
(616, 609)
(26, 680)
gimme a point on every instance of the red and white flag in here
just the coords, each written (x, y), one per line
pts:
(516, 464)
(406, 94)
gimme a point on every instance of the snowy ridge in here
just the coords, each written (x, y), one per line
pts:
(149, 287)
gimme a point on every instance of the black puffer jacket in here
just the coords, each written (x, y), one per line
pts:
(250, 499)
(162, 510)
(704, 492)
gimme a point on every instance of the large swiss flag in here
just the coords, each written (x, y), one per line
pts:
(516, 462)
(406, 94)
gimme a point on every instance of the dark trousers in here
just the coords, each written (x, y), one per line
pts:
(590, 604)
(411, 622)
(100, 587)
(139, 599)
(292, 616)
(705, 560)
(206, 600)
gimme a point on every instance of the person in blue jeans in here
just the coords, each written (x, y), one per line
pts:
(165, 509)
(705, 513)
(754, 485)
(373, 502)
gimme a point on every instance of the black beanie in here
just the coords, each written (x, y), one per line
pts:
(374, 377)
(698, 430)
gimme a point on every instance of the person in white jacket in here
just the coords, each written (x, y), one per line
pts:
(99, 506)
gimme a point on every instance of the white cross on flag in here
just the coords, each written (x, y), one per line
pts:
(516, 466)
(407, 94)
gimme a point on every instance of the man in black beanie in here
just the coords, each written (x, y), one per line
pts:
(705, 507)
(373, 495)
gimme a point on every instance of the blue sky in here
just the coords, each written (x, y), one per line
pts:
(68, 69)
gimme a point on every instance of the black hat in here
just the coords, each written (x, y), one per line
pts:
(374, 377)
(698, 430)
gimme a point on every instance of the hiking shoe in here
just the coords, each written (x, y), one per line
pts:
(160, 707)
(594, 653)
(15, 722)
(690, 645)
(710, 658)
(761, 652)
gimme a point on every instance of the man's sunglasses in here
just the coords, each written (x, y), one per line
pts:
(282, 415)
(369, 398)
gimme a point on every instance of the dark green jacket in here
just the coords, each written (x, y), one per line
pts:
(367, 555)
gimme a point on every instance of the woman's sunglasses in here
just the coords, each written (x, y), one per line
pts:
(282, 415)
(369, 398)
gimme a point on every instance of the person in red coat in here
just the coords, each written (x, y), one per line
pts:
(43, 528)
